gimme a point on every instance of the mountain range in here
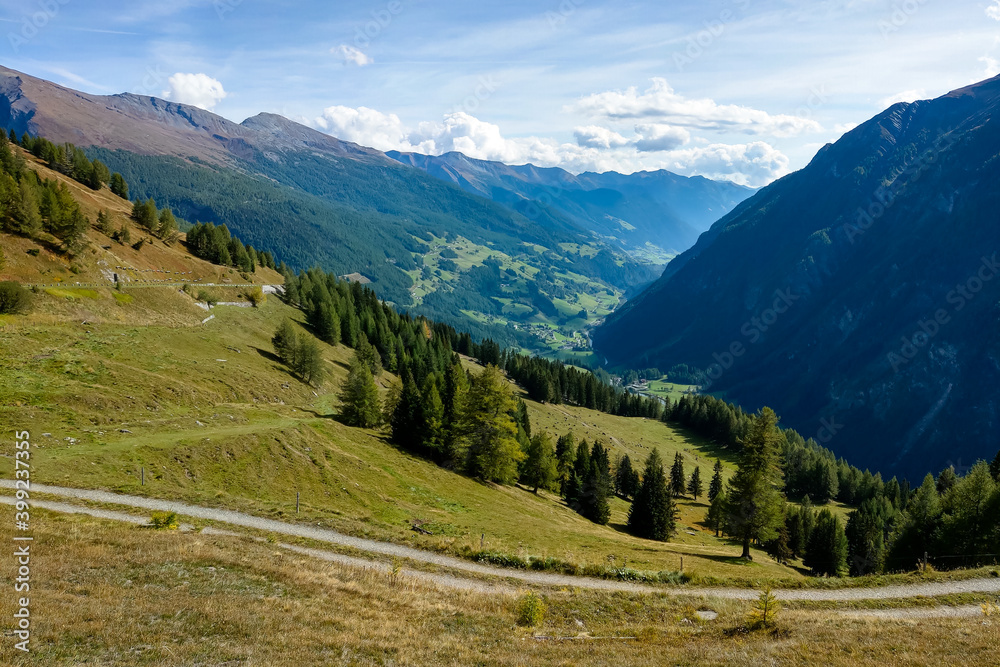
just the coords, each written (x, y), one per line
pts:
(523, 271)
(859, 296)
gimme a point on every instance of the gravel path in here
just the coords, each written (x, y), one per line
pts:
(396, 550)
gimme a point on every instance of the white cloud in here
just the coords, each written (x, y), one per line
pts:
(993, 11)
(991, 65)
(596, 148)
(904, 96)
(199, 90)
(660, 102)
(352, 55)
(754, 164)
(658, 137)
(594, 136)
(364, 126)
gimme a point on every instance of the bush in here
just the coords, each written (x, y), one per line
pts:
(13, 297)
(203, 295)
(164, 521)
(530, 610)
(501, 559)
(256, 296)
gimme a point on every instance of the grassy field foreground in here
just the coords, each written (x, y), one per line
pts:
(108, 594)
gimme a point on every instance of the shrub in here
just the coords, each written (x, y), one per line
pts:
(530, 610)
(13, 297)
(164, 521)
(256, 296)
(203, 295)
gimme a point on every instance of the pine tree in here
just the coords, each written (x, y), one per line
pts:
(103, 223)
(677, 483)
(369, 355)
(626, 478)
(596, 487)
(995, 467)
(946, 479)
(432, 411)
(565, 456)
(754, 511)
(285, 342)
(716, 516)
(407, 421)
(694, 484)
(826, 553)
(491, 432)
(653, 514)
(308, 361)
(540, 464)
(456, 389)
(715, 486)
(167, 224)
(360, 405)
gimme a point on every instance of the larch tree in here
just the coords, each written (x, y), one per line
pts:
(360, 404)
(755, 508)
(490, 429)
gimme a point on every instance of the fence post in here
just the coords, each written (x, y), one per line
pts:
(142, 476)
(296, 502)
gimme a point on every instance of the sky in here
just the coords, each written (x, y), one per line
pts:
(744, 90)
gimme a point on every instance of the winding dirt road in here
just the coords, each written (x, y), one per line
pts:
(983, 585)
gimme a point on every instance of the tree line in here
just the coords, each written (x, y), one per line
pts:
(73, 162)
(215, 244)
(30, 205)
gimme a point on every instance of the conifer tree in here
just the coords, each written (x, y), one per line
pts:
(826, 553)
(716, 516)
(491, 432)
(540, 465)
(407, 419)
(285, 342)
(596, 487)
(694, 484)
(103, 223)
(653, 514)
(565, 457)
(626, 478)
(677, 482)
(755, 506)
(432, 411)
(167, 224)
(308, 361)
(715, 486)
(995, 467)
(360, 404)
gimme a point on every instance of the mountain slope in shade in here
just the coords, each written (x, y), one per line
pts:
(632, 210)
(860, 296)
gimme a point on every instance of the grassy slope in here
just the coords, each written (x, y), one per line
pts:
(109, 594)
(263, 436)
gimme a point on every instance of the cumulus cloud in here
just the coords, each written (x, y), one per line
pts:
(352, 55)
(596, 148)
(199, 90)
(594, 136)
(991, 65)
(753, 164)
(904, 96)
(659, 137)
(660, 102)
(993, 11)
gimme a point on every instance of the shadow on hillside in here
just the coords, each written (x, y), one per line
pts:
(270, 356)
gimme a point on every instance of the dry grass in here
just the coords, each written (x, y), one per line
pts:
(104, 594)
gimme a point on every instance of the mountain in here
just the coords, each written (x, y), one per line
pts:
(316, 200)
(859, 297)
(650, 215)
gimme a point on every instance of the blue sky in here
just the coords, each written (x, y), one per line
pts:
(741, 89)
